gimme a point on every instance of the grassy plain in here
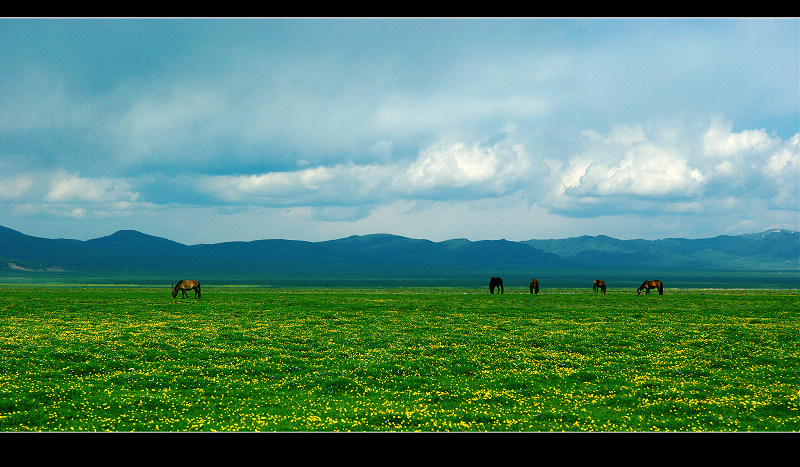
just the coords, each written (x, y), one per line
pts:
(427, 359)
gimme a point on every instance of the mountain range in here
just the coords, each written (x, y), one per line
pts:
(130, 254)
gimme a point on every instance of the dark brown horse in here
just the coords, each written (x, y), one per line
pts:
(647, 285)
(183, 286)
(534, 285)
(495, 282)
(599, 285)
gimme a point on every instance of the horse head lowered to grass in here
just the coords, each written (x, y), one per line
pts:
(647, 285)
(183, 286)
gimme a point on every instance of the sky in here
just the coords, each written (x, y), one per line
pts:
(237, 129)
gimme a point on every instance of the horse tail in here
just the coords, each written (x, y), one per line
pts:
(198, 290)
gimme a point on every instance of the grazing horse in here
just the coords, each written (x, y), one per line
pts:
(534, 285)
(495, 282)
(599, 285)
(647, 285)
(183, 286)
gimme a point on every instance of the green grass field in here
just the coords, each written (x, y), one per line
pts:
(427, 359)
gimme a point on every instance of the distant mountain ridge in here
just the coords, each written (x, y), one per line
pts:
(386, 255)
(769, 249)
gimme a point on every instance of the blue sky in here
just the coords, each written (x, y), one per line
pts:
(212, 130)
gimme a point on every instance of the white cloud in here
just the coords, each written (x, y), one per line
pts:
(315, 185)
(457, 169)
(646, 171)
(724, 168)
(496, 169)
(624, 164)
(784, 162)
(68, 188)
(14, 188)
(755, 164)
(717, 170)
(782, 171)
(78, 213)
(721, 142)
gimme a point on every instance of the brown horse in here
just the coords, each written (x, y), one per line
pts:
(183, 286)
(599, 285)
(495, 282)
(534, 285)
(647, 285)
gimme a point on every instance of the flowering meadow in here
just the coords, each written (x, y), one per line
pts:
(260, 359)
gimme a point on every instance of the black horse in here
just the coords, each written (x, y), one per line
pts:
(183, 286)
(647, 285)
(495, 282)
(534, 285)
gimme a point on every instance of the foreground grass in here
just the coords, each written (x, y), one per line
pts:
(117, 359)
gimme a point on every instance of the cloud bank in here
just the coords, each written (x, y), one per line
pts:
(311, 129)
